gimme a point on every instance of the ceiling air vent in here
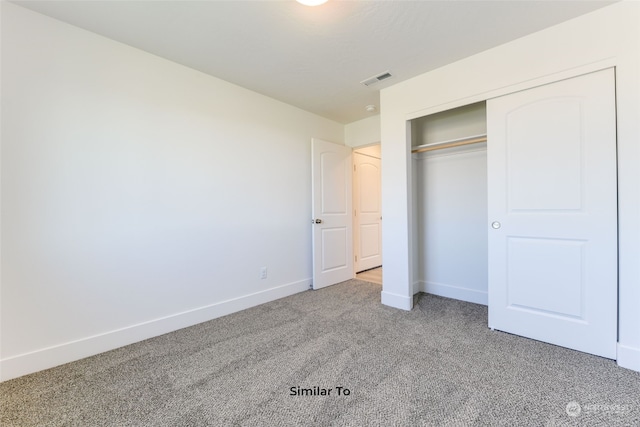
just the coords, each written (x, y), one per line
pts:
(376, 79)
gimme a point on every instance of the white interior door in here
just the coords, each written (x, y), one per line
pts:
(368, 215)
(331, 207)
(553, 213)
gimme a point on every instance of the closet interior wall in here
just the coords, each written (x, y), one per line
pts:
(450, 205)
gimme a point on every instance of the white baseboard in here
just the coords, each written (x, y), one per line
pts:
(23, 364)
(628, 357)
(396, 301)
(455, 292)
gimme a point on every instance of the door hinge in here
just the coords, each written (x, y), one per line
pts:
(356, 258)
(354, 168)
(355, 212)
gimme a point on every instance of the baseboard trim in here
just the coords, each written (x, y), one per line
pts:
(27, 363)
(450, 291)
(628, 357)
(396, 301)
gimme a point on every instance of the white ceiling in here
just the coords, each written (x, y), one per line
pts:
(314, 57)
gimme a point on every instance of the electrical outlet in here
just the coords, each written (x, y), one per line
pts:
(263, 273)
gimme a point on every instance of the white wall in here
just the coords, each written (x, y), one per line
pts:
(606, 37)
(370, 150)
(138, 196)
(451, 216)
(362, 132)
(462, 122)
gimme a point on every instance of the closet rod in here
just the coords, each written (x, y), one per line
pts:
(451, 143)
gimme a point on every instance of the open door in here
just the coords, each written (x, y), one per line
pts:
(332, 213)
(367, 211)
(553, 213)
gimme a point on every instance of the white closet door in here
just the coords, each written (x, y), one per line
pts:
(553, 213)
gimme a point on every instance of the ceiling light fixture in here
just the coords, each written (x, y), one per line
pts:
(370, 108)
(311, 2)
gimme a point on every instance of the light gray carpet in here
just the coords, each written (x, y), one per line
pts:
(436, 365)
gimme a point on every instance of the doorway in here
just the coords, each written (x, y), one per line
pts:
(346, 209)
(367, 214)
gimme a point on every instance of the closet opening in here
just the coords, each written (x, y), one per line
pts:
(449, 183)
(535, 215)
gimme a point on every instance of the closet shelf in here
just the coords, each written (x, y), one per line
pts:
(475, 139)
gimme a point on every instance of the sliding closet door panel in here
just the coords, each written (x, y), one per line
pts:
(553, 213)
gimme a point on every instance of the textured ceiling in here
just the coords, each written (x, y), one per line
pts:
(314, 57)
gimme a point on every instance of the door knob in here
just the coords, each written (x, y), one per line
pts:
(318, 221)
(495, 225)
